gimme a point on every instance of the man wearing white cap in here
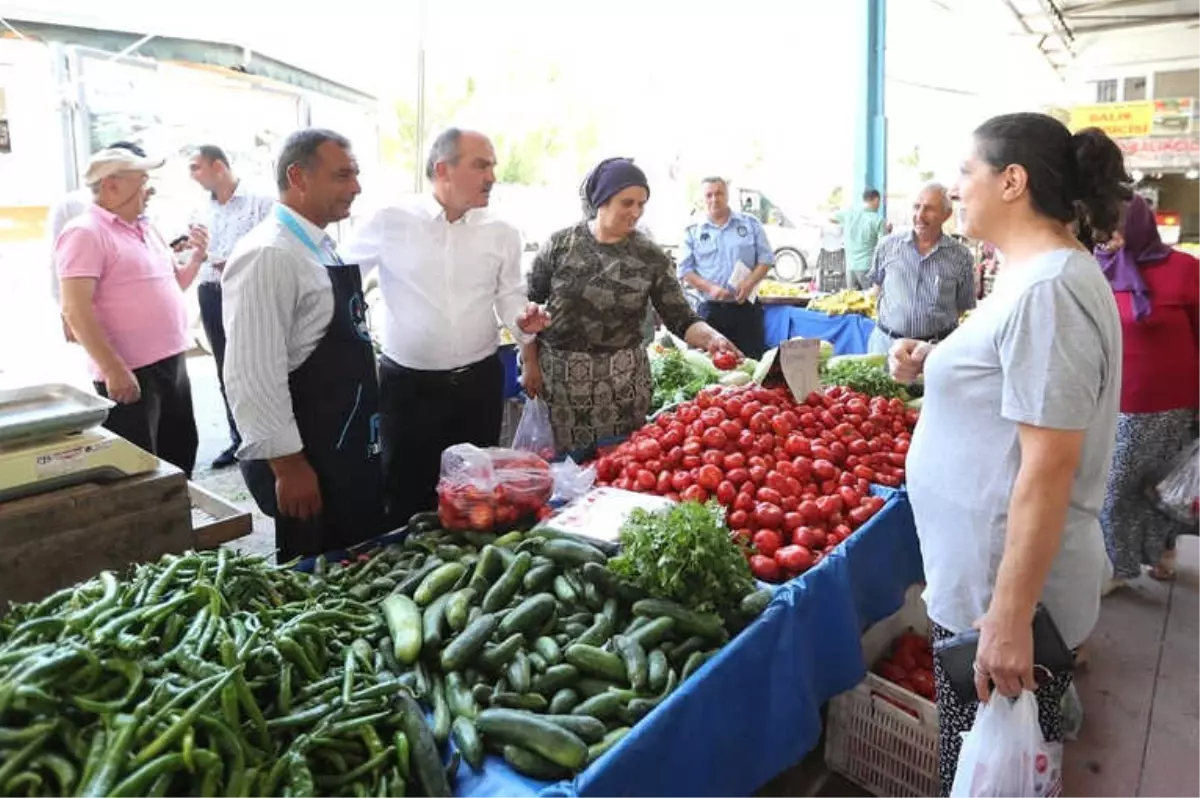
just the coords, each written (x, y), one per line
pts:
(122, 296)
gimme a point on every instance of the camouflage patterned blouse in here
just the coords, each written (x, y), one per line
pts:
(597, 293)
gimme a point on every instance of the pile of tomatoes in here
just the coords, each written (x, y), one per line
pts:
(794, 478)
(494, 489)
(910, 665)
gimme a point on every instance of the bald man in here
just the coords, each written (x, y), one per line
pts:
(924, 278)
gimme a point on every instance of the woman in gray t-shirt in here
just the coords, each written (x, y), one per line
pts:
(1009, 461)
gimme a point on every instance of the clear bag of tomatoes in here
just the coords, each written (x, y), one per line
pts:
(484, 489)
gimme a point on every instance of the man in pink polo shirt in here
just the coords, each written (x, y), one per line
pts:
(122, 295)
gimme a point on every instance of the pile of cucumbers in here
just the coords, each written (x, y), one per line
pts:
(528, 646)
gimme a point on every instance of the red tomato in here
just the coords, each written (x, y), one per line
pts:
(863, 472)
(733, 407)
(829, 504)
(744, 535)
(796, 445)
(764, 568)
(770, 496)
(850, 497)
(796, 559)
(735, 460)
(777, 482)
(672, 437)
(767, 541)
(713, 457)
(648, 450)
(792, 521)
(749, 409)
(791, 504)
(809, 511)
(737, 519)
(736, 475)
(758, 474)
(744, 501)
(714, 438)
(846, 479)
(828, 487)
(695, 493)
(713, 416)
(732, 428)
(809, 537)
(691, 461)
(692, 447)
(646, 481)
(664, 483)
(842, 531)
(823, 469)
(726, 493)
(768, 515)
(781, 426)
(725, 361)
(680, 480)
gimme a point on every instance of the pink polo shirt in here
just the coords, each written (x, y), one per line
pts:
(137, 301)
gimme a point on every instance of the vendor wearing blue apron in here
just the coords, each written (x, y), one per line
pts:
(299, 364)
(712, 250)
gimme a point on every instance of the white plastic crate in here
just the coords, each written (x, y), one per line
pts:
(879, 735)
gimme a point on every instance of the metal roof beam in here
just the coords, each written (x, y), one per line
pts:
(1104, 5)
(1143, 22)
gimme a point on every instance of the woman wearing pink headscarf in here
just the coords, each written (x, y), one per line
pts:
(1158, 294)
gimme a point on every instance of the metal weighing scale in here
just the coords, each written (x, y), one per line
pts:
(51, 438)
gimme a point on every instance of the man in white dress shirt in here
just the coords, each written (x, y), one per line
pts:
(299, 365)
(233, 210)
(447, 269)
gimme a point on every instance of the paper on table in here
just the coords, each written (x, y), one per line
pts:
(740, 272)
(798, 357)
(601, 512)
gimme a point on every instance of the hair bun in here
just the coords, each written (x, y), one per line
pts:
(1100, 183)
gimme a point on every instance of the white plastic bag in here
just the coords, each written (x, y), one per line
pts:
(570, 480)
(1005, 754)
(534, 433)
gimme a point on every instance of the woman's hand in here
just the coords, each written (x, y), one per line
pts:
(1005, 655)
(702, 336)
(906, 360)
(531, 371)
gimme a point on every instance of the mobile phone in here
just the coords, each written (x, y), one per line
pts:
(179, 242)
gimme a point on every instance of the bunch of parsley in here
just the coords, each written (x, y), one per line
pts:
(863, 378)
(684, 553)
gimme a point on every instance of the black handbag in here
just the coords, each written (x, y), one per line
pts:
(1051, 656)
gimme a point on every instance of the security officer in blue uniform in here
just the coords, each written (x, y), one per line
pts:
(712, 248)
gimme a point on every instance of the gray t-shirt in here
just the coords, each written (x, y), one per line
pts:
(1044, 349)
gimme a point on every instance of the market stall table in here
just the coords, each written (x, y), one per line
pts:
(753, 710)
(849, 334)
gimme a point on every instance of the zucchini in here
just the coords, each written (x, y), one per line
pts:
(507, 585)
(433, 621)
(564, 701)
(458, 608)
(637, 667)
(467, 740)
(598, 633)
(439, 581)
(556, 678)
(459, 697)
(530, 702)
(596, 662)
(530, 764)
(688, 622)
(520, 673)
(572, 552)
(584, 727)
(658, 668)
(601, 707)
(549, 650)
(462, 649)
(563, 590)
(539, 578)
(424, 759)
(535, 734)
(528, 616)
(441, 710)
(597, 750)
(652, 633)
(403, 618)
(495, 658)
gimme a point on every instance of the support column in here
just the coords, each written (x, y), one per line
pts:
(870, 162)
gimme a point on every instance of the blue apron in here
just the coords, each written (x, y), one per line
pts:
(335, 400)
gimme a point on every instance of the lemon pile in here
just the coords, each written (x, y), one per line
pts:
(844, 302)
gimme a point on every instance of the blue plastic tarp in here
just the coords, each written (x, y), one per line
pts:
(848, 334)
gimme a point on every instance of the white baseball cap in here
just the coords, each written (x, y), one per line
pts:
(106, 163)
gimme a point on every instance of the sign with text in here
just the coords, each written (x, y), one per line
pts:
(799, 358)
(1119, 120)
(1161, 152)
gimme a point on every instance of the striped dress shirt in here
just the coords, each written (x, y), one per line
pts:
(278, 303)
(922, 295)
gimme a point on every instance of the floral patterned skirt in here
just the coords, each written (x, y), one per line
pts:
(594, 396)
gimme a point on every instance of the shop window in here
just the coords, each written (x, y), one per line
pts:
(1135, 89)
(1106, 91)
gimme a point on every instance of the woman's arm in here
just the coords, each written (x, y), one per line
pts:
(531, 369)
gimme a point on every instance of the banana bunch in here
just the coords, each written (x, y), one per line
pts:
(844, 302)
(774, 288)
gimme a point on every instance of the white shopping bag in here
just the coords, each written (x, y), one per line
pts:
(1005, 754)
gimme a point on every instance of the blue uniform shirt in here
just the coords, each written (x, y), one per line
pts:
(712, 250)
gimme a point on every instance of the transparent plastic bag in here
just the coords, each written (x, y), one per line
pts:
(1178, 493)
(1005, 754)
(534, 433)
(484, 489)
(570, 480)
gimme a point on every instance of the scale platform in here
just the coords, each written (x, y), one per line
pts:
(49, 440)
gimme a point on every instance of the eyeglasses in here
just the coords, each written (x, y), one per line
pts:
(143, 177)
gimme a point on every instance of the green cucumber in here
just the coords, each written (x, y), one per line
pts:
(563, 590)
(439, 581)
(635, 623)
(612, 611)
(482, 693)
(589, 687)
(585, 727)
(520, 673)
(593, 599)
(528, 616)
(689, 623)
(489, 566)
(694, 661)
(753, 604)
(467, 740)
(598, 633)
(595, 662)
(530, 764)
(597, 750)
(681, 652)
(600, 707)
(458, 608)
(530, 702)
(409, 584)
(459, 698)
(441, 710)
(658, 669)
(502, 592)
(652, 633)
(403, 618)
(572, 552)
(424, 521)
(556, 678)
(462, 649)
(495, 658)
(424, 759)
(434, 621)
(509, 540)
(564, 701)
(637, 667)
(537, 662)
(549, 650)
(534, 733)
(539, 578)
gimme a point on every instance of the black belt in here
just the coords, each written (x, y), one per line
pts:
(450, 376)
(938, 336)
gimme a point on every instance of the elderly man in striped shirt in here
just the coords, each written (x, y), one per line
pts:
(924, 278)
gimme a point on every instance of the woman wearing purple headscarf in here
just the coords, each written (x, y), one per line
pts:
(1158, 295)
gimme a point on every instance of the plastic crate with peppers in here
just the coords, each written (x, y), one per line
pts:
(480, 489)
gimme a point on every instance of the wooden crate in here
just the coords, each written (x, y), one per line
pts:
(214, 520)
(53, 540)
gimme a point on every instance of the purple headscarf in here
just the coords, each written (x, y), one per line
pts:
(1142, 248)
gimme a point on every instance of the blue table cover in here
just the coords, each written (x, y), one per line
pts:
(512, 374)
(753, 710)
(848, 334)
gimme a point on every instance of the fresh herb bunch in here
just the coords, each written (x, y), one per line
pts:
(675, 380)
(684, 553)
(863, 377)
